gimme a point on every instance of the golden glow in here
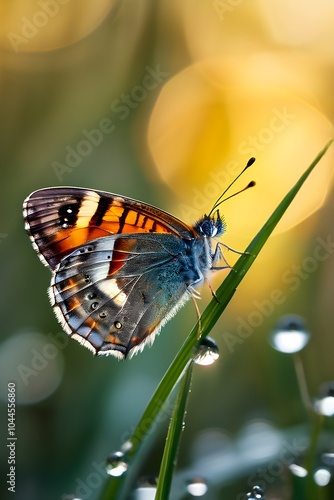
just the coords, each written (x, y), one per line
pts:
(203, 131)
(32, 26)
(297, 23)
(209, 120)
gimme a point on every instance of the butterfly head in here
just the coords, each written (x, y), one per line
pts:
(214, 224)
(211, 225)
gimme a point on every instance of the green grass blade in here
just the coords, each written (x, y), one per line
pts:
(208, 319)
(176, 426)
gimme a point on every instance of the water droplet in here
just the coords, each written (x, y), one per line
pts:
(147, 489)
(118, 325)
(103, 314)
(116, 464)
(325, 404)
(31, 349)
(298, 470)
(70, 497)
(127, 446)
(197, 487)
(256, 493)
(94, 305)
(322, 477)
(328, 459)
(290, 335)
(207, 352)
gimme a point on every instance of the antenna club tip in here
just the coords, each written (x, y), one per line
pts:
(250, 162)
(251, 184)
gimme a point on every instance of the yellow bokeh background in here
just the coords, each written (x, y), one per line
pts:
(204, 128)
(165, 102)
(32, 26)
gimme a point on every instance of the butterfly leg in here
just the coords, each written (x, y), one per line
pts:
(232, 249)
(199, 333)
(213, 293)
(217, 256)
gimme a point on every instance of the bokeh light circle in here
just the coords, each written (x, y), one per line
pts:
(205, 126)
(34, 362)
(49, 24)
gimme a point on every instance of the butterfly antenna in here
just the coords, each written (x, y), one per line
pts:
(251, 184)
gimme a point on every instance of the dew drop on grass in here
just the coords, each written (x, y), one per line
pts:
(298, 470)
(127, 446)
(207, 352)
(290, 335)
(197, 487)
(328, 459)
(116, 464)
(146, 490)
(70, 497)
(256, 493)
(324, 405)
(322, 476)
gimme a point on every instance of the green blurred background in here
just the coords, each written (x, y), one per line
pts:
(184, 93)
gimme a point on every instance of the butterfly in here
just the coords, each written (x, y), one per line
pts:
(120, 268)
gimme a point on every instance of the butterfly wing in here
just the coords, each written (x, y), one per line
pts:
(114, 293)
(60, 220)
